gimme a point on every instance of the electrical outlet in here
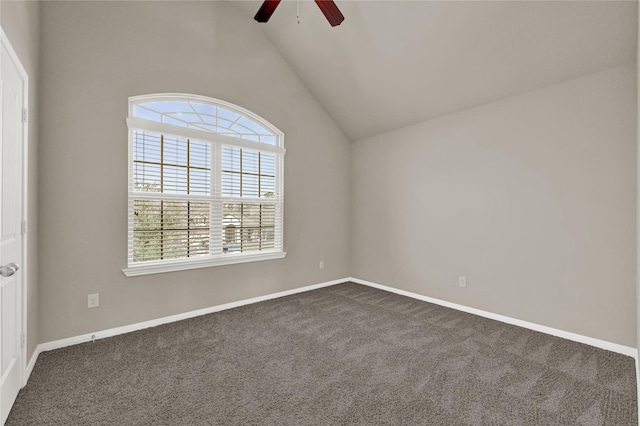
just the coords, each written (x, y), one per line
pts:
(462, 281)
(93, 300)
(321, 264)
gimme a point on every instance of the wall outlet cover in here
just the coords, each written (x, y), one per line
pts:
(93, 300)
(462, 281)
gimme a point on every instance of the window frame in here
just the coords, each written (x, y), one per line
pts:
(216, 199)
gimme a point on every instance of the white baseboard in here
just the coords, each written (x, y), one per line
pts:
(31, 364)
(602, 344)
(57, 344)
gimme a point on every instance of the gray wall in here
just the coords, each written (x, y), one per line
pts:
(533, 198)
(97, 54)
(20, 22)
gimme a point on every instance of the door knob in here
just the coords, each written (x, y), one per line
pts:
(9, 269)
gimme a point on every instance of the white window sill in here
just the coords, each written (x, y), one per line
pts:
(147, 268)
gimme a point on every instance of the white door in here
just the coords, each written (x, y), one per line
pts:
(12, 91)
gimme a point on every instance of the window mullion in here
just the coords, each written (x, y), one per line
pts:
(162, 202)
(188, 166)
(259, 176)
(241, 172)
(189, 202)
(215, 214)
(261, 229)
(241, 223)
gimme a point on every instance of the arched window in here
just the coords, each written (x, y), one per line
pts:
(205, 184)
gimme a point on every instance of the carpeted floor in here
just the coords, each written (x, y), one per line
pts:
(346, 354)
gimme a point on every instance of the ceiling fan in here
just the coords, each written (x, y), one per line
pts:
(328, 7)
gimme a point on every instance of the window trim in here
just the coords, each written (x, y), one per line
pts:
(141, 124)
(161, 266)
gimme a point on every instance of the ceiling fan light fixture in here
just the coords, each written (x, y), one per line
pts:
(328, 8)
(331, 12)
(266, 10)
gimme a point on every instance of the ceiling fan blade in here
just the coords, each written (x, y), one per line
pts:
(331, 12)
(266, 10)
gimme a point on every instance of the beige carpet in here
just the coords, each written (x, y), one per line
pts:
(344, 355)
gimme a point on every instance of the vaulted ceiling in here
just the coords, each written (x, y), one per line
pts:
(395, 63)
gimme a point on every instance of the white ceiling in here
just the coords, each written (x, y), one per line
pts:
(395, 63)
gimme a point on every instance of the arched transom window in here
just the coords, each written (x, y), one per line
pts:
(205, 184)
